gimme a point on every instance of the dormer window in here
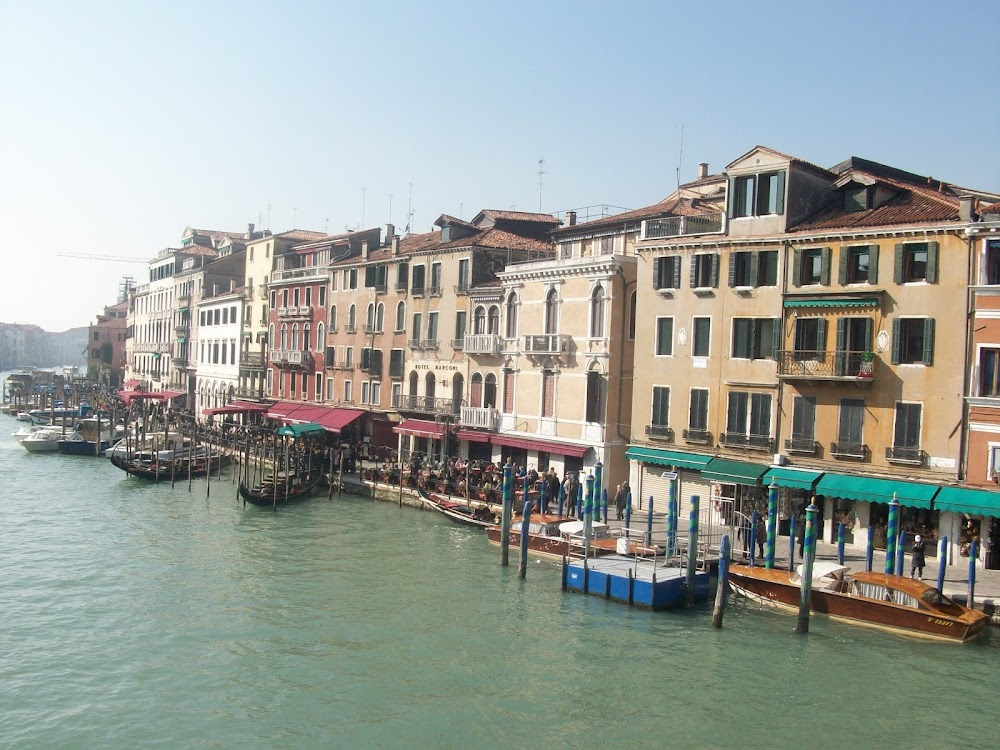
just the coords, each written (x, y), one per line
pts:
(856, 199)
(757, 195)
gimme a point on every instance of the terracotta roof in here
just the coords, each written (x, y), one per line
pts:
(519, 216)
(670, 206)
(301, 234)
(993, 208)
(912, 204)
(217, 235)
(198, 250)
(446, 219)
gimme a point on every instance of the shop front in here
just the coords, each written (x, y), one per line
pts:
(971, 515)
(795, 492)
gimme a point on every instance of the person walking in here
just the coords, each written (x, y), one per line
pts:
(917, 563)
(621, 495)
(761, 536)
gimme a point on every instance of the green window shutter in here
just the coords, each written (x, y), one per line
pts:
(677, 272)
(715, 271)
(845, 254)
(873, 264)
(732, 270)
(731, 197)
(797, 268)
(869, 325)
(821, 334)
(896, 329)
(775, 337)
(841, 334)
(754, 268)
(897, 271)
(656, 273)
(929, 341)
(781, 193)
(932, 262)
(694, 271)
(824, 274)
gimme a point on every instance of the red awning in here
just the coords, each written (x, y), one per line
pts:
(334, 420)
(562, 449)
(131, 383)
(420, 428)
(474, 436)
(237, 407)
(129, 396)
(283, 409)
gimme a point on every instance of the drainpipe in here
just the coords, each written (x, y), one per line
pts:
(963, 444)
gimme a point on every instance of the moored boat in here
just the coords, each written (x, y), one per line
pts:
(269, 492)
(891, 602)
(480, 516)
(545, 537)
(45, 440)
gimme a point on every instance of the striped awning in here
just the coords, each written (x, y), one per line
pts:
(678, 459)
(832, 302)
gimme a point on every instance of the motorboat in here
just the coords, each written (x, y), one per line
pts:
(85, 441)
(545, 537)
(44, 440)
(896, 603)
(26, 431)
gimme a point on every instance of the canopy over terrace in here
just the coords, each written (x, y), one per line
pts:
(330, 419)
(130, 396)
(237, 407)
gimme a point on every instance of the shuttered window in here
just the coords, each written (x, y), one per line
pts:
(667, 272)
(804, 418)
(913, 341)
(916, 261)
(508, 391)
(661, 406)
(664, 337)
(548, 393)
(907, 430)
(698, 411)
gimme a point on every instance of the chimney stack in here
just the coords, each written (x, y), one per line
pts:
(249, 231)
(966, 204)
(390, 232)
(571, 218)
(395, 245)
(364, 249)
(702, 170)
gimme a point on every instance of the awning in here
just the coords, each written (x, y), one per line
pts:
(802, 479)
(420, 428)
(334, 420)
(544, 446)
(237, 407)
(474, 436)
(833, 302)
(132, 383)
(129, 396)
(283, 409)
(968, 500)
(680, 459)
(872, 490)
(300, 430)
(733, 472)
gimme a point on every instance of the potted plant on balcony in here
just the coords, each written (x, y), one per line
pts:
(867, 366)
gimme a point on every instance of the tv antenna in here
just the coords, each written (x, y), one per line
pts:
(541, 171)
(680, 158)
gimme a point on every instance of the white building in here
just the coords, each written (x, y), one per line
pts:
(217, 349)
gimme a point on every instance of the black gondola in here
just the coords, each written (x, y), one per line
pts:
(479, 517)
(162, 470)
(264, 494)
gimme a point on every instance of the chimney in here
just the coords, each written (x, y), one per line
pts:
(250, 231)
(364, 249)
(395, 245)
(966, 203)
(390, 232)
(571, 218)
(702, 170)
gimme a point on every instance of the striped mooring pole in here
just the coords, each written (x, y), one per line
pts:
(672, 514)
(870, 553)
(808, 555)
(840, 543)
(890, 535)
(942, 562)
(692, 550)
(508, 498)
(725, 548)
(772, 525)
(522, 568)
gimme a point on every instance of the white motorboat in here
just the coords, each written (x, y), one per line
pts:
(45, 440)
(26, 431)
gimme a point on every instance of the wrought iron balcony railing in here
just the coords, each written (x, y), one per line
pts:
(697, 436)
(659, 432)
(843, 449)
(805, 446)
(823, 365)
(750, 442)
(899, 455)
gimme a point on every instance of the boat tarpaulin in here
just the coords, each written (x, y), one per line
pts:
(678, 459)
(873, 490)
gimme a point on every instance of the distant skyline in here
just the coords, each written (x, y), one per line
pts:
(126, 122)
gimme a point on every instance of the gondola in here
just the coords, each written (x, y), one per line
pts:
(264, 494)
(162, 470)
(480, 517)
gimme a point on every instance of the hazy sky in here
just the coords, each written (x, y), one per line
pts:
(123, 123)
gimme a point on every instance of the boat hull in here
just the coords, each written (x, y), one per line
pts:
(40, 446)
(83, 447)
(457, 512)
(775, 588)
(554, 548)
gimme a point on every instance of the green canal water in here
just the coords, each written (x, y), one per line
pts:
(133, 615)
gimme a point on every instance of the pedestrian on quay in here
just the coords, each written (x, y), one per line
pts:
(551, 488)
(621, 498)
(569, 493)
(917, 563)
(761, 536)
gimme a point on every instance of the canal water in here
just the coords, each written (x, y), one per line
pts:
(133, 615)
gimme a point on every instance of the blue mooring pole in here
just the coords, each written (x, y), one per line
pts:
(808, 555)
(970, 601)
(840, 543)
(508, 495)
(791, 543)
(588, 516)
(772, 525)
(649, 522)
(890, 536)
(522, 569)
(725, 549)
(672, 514)
(753, 536)
(628, 509)
(942, 562)
(871, 548)
(692, 551)
(579, 500)
(604, 505)
(900, 552)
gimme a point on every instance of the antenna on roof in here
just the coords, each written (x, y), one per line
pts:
(269, 216)
(680, 158)
(541, 163)
(409, 210)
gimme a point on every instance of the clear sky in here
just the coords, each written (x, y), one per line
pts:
(121, 123)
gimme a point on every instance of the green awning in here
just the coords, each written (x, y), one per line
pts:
(833, 302)
(680, 459)
(298, 430)
(869, 489)
(966, 500)
(733, 472)
(801, 479)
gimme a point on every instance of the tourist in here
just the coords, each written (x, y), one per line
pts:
(551, 488)
(761, 536)
(917, 563)
(621, 498)
(569, 490)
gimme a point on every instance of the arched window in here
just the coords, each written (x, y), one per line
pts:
(476, 391)
(379, 317)
(493, 320)
(479, 320)
(457, 386)
(400, 316)
(370, 316)
(597, 305)
(320, 338)
(295, 337)
(596, 393)
(429, 385)
(511, 316)
(490, 392)
(333, 318)
(232, 395)
(631, 316)
(413, 383)
(270, 340)
(306, 338)
(552, 312)
(352, 317)
(284, 335)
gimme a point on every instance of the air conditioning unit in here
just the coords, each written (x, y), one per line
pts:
(780, 460)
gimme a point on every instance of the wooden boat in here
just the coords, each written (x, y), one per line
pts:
(264, 494)
(903, 605)
(479, 517)
(545, 537)
(162, 468)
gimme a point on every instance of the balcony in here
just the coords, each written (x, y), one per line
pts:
(350, 328)
(184, 300)
(295, 313)
(417, 291)
(251, 360)
(548, 344)
(481, 343)
(312, 272)
(660, 432)
(839, 366)
(802, 446)
(413, 343)
(250, 394)
(181, 329)
(424, 404)
(908, 456)
(698, 437)
(400, 286)
(462, 287)
(435, 290)
(457, 344)
(379, 287)
(748, 442)
(179, 361)
(152, 347)
(858, 451)
(430, 345)
(290, 358)
(486, 418)
(679, 226)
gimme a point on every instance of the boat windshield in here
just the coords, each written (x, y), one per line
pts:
(936, 600)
